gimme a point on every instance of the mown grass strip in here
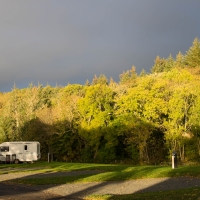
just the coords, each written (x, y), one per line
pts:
(108, 172)
(183, 194)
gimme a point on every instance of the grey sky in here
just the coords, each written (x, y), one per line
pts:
(68, 41)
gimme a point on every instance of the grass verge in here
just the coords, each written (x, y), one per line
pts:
(108, 172)
(183, 194)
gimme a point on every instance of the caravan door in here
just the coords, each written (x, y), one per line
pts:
(28, 153)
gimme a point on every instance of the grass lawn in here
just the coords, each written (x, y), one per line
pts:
(183, 194)
(109, 172)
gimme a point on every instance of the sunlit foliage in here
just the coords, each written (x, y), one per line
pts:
(141, 119)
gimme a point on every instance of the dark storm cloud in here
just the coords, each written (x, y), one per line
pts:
(61, 41)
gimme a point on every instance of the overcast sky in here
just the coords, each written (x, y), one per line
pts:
(69, 41)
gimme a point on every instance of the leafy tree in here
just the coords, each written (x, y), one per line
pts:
(159, 65)
(163, 65)
(143, 73)
(180, 104)
(195, 124)
(146, 104)
(112, 83)
(102, 80)
(95, 109)
(192, 57)
(74, 89)
(179, 62)
(87, 83)
(32, 100)
(128, 77)
(169, 63)
(16, 111)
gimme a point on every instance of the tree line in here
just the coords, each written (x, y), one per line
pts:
(141, 119)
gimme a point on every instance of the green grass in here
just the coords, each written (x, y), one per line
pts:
(108, 172)
(183, 194)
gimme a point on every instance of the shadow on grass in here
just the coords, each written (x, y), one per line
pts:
(60, 185)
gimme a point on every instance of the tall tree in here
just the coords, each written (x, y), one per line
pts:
(159, 65)
(192, 57)
(129, 76)
(102, 80)
(179, 62)
(169, 63)
(182, 99)
(143, 73)
(96, 113)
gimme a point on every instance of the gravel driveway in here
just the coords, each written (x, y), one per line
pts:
(80, 190)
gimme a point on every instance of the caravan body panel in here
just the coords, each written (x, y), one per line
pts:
(22, 151)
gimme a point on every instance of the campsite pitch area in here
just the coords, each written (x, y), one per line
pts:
(59, 180)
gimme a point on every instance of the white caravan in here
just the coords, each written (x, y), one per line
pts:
(15, 152)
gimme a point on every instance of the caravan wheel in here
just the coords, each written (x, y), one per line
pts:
(16, 161)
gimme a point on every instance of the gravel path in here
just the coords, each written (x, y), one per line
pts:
(80, 190)
(16, 192)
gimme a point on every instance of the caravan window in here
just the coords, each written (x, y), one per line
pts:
(38, 148)
(25, 147)
(4, 149)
